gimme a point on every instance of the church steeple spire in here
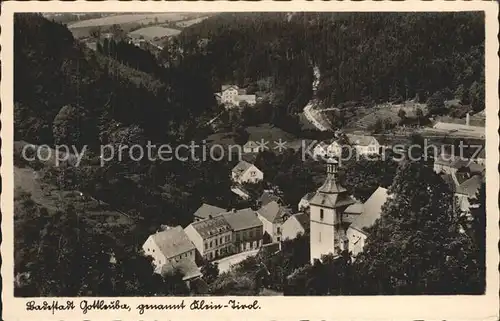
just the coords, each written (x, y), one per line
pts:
(331, 185)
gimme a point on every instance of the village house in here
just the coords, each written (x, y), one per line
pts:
(169, 247)
(244, 172)
(467, 191)
(296, 224)
(362, 217)
(247, 229)
(232, 96)
(251, 147)
(269, 196)
(449, 164)
(272, 216)
(365, 145)
(206, 211)
(187, 267)
(327, 223)
(212, 237)
(304, 201)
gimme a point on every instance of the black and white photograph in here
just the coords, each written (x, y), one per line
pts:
(250, 154)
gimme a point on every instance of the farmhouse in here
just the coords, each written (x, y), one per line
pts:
(365, 145)
(252, 147)
(232, 96)
(244, 172)
(168, 248)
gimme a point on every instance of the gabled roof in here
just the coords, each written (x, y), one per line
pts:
(372, 209)
(251, 144)
(207, 210)
(172, 242)
(356, 208)
(241, 167)
(273, 212)
(308, 196)
(242, 219)
(211, 227)
(470, 186)
(226, 87)
(303, 219)
(267, 197)
(361, 140)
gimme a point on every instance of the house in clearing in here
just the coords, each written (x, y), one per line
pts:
(232, 96)
(467, 191)
(304, 201)
(168, 248)
(244, 172)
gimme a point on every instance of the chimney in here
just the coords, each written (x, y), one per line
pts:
(467, 119)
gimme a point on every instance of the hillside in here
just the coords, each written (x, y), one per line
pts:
(53, 70)
(361, 57)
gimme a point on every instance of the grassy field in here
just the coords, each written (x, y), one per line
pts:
(122, 19)
(187, 23)
(153, 32)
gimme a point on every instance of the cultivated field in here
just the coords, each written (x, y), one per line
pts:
(154, 32)
(121, 19)
(187, 23)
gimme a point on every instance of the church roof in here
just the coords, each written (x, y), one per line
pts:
(372, 209)
(331, 200)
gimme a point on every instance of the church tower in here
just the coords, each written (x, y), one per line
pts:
(326, 210)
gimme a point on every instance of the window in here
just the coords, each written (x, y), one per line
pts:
(278, 238)
(206, 246)
(211, 243)
(216, 243)
(321, 214)
(278, 230)
(253, 174)
(221, 240)
(250, 233)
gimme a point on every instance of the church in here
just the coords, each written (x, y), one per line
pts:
(328, 220)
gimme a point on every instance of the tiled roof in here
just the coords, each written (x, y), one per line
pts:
(331, 200)
(308, 196)
(173, 241)
(242, 167)
(303, 219)
(372, 209)
(356, 208)
(212, 227)
(242, 219)
(361, 140)
(207, 210)
(470, 186)
(267, 197)
(273, 212)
